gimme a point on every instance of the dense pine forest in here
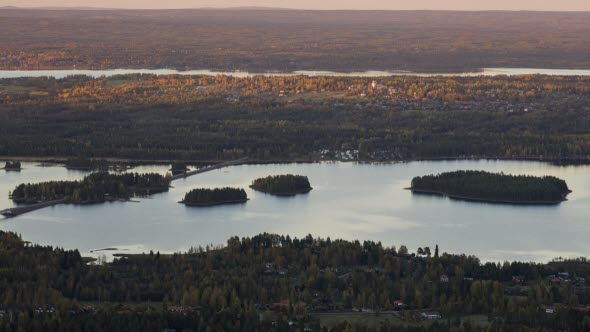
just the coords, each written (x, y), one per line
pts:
(209, 118)
(94, 188)
(275, 283)
(206, 197)
(480, 185)
(284, 185)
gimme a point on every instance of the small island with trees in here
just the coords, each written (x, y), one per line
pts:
(283, 185)
(201, 197)
(493, 187)
(94, 188)
(178, 168)
(12, 166)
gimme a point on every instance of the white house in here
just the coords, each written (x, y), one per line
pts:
(430, 315)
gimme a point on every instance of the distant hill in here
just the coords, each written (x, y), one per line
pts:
(251, 39)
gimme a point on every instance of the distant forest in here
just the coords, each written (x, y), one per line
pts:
(484, 186)
(208, 118)
(287, 40)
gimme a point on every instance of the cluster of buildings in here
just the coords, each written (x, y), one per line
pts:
(430, 315)
(564, 277)
(183, 309)
(271, 269)
(345, 155)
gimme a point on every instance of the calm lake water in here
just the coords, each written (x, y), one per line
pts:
(349, 200)
(112, 72)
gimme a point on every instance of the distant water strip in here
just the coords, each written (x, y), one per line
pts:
(373, 73)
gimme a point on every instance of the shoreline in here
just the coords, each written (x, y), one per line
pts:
(241, 201)
(563, 161)
(484, 200)
(295, 193)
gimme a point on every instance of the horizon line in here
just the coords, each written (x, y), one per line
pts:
(245, 8)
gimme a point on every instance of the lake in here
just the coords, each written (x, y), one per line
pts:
(372, 73)
(349, 200)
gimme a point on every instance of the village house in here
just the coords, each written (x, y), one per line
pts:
(582, 308)
(399, 305)
(429, 315)
(444, 278)
(280, 306)
(518, 279)
(184, 310)
(550, 309)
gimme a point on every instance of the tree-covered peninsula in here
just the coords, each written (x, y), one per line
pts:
(282, 185)
(493, 187)
(217, 196)
(94, 188)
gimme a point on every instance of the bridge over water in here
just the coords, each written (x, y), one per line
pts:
(209, 168)
(15, 211)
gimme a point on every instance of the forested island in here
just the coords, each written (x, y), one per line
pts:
(217, 196)
(493, 187)
(282, 185)
(277, 283)
(12, 166)
(94, 188)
